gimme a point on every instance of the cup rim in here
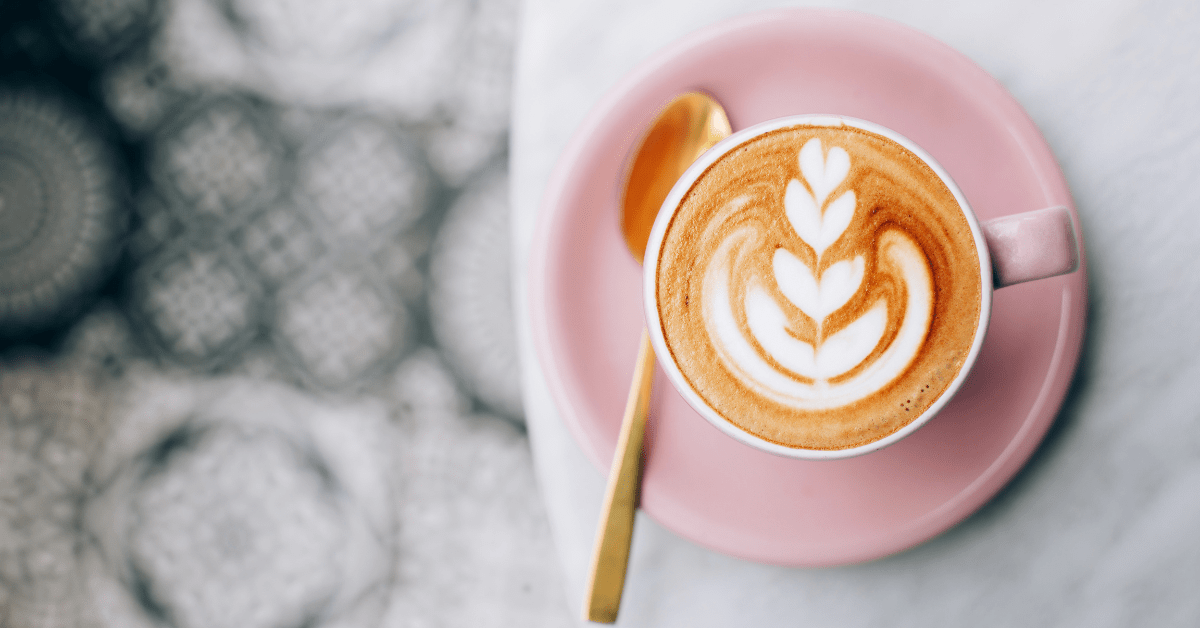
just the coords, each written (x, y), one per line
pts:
(650, 278)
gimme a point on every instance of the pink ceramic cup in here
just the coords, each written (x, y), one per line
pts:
(1014, 249)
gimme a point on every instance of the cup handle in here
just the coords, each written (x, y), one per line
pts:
(1033, 245)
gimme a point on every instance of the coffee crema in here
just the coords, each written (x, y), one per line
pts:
(819, 287)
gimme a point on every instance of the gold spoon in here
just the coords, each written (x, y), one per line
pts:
(689, 125)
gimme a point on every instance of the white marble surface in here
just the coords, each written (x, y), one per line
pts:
(1100, 528)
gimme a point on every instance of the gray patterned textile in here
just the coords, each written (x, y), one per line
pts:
(257, 365)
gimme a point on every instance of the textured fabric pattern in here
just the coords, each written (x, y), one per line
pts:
(270, 380)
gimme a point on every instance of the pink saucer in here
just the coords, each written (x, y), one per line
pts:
(585, 290)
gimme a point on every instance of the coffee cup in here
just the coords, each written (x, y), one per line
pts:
(817, 286)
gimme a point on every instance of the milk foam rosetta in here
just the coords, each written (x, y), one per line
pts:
(819, 287)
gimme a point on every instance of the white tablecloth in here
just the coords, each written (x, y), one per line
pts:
(1100, 528)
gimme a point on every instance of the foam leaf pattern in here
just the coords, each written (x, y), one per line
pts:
(773, 374)
(837, 354)
(768, 324)
(816, 229)
(823, 172)
(817, 298)
(850, 346)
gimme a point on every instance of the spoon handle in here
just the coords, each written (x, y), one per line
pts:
(611, 553)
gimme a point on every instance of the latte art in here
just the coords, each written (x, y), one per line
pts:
(797, 368)
(819, 287)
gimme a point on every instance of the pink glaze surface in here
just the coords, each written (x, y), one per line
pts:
(585, 294)
(1033, 245)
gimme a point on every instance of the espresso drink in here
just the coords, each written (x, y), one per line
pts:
(819, 287)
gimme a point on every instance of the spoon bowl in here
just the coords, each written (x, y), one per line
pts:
(689, 125)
